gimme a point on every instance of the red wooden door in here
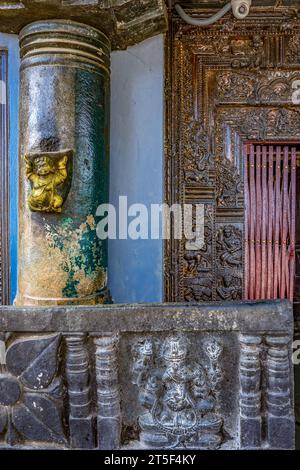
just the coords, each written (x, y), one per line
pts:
(270, 200)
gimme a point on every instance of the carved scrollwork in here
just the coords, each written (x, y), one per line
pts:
(247, 53)
(234, 86)
(177, 395)
(278, 89)
(253, 88)
(293, 49)
(269, 123)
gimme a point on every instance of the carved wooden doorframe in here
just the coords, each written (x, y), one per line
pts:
(225, 85)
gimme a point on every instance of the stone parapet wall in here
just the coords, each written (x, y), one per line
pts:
(209, 376)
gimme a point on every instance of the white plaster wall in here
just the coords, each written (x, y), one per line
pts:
(137, 84)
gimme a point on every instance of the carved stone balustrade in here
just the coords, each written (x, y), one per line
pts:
(205, 376)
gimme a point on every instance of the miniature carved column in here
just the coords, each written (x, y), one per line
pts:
(250, 392)
(280, 421)
(108, 393)
(77, 373)
(64, 163)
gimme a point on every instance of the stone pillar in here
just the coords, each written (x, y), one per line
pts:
(64, 163)
(250, 392)
(108, 393)
(280, 418)
(79, 392)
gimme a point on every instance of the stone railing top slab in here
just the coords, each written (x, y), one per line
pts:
(126, 22)
(262, 316)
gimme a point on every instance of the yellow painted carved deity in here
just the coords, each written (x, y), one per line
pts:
(45, 174)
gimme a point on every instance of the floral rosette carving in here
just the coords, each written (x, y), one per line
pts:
(31, 391)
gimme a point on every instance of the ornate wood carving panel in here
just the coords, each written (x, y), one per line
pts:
(226, 85)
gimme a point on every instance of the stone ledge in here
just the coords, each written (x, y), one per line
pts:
(238, 316)
(126, 22)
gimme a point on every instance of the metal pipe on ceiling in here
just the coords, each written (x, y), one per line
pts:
(240, 9)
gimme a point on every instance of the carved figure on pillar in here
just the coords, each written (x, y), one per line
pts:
(46, 175)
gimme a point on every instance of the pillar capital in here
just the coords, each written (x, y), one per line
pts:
(125, 22)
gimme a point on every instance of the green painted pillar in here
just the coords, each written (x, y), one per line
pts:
(64, 163)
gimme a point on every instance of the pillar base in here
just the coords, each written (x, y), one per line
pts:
(101, 297)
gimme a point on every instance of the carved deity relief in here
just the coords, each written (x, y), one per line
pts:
(195, 261)
(199, 288)
(229, 246)
(198, 264)
(229, 287)
(178, 395)
(228, 185)
(196, 153)
(46, 173)
(229, 243)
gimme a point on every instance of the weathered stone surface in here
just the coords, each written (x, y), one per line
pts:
(125, 22)
(64, 163)
(210, 376)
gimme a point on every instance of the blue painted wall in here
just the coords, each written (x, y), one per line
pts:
(11, 43)
(135, 266)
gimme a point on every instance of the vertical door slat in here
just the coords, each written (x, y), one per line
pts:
(252, 222)
(277, 222)
(284, 226)
(292, 223)
(258, 223)
(264, 220)
(270, 224)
